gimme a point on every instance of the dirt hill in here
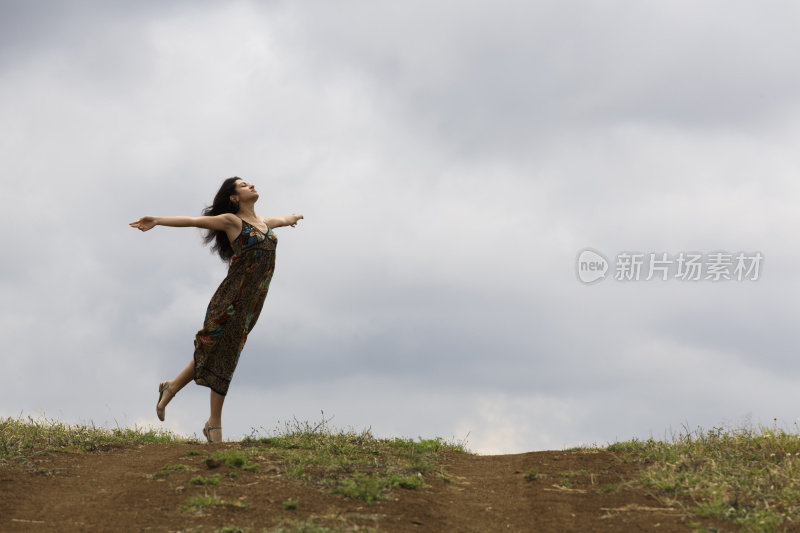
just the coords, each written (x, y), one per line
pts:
(150, 487)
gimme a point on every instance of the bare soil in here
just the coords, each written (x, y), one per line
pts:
(116, 490)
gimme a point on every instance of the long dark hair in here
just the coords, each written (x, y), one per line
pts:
(222, 204)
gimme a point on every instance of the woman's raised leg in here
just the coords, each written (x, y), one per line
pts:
(185, 376)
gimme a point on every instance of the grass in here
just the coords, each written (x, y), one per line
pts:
(200, 480)
(610, 488)
(198, 502)
(291, 505)
(234, 459)
(354, 464)
(532, 474)
(175, 467)
(371, 487)
(313, 525)
(23, 438)
(750, 477)
(567, 477)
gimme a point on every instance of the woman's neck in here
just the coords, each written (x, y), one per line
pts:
(247, 211)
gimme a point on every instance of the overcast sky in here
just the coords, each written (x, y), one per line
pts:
(452, 159)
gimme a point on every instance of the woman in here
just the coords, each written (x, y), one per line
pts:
(248, 243)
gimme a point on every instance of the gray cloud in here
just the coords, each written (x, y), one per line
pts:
(451, 162)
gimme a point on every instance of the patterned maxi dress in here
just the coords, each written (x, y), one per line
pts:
(234, 308)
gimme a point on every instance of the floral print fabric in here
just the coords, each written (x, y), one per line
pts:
(234, 308)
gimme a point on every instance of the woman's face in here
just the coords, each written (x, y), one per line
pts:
(246, 191)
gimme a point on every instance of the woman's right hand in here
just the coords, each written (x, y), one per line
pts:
(144, 223)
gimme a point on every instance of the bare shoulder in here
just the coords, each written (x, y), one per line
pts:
(230, 218)
(232, 223)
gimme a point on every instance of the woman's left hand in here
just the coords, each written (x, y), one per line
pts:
(144, 223)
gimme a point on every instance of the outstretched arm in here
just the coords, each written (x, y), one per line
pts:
(218, 223)
(288, 220)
